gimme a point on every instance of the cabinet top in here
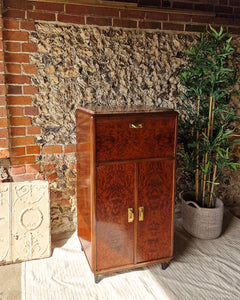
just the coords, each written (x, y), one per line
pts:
(128, 109)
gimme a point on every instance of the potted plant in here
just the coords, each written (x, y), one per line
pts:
(207, 136)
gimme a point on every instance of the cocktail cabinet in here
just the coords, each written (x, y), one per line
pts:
(125, 186)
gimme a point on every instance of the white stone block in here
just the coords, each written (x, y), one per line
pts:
(5, 221)
(28, 223)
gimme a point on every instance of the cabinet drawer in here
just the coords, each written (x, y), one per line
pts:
(135, 139)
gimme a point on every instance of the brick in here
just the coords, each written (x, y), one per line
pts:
(30, 69)
(3, 112)
(49, 168)
(202, 19)
(17, 170)
(223, 20)
(13, 68)
(18, 79)
(3, 133)
(19, 100)
(14, 13)
(4, 143)
(15, 36)
(23, 177)
(52, 176)
(224, 9)
(124, 23)
(11, 24)
(33, 149)
(166, 4)
(49, 6)
(16, 111)
(20, 121)
(79, 9)
(21, 4)
(173, 26)
(234, 30)
(150, 25)
(4, 153)
(70, 149)
(33, 168)
(237, 11)
(52, 149)
(234, 3)
(3, 100)
(12, 47)
(106, 12)
(27, 25)
(2, 90)
(31, 111)
(14, 89)
(18, 131)
(1, 67)
(29, 47)
(22, 141)
(41, 16)
(99, 21)
(156, 16)
(19, 151)
(182, 5)
(71, 19)
(34, 130)
(30, 90)
(3, 122)
(2, 79)
(195, 28)
(132, 14)
(17, 57)
(180, 17)
(204, 7)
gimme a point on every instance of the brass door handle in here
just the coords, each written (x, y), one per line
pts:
(141, 213)
(130, 215)
(136, 125)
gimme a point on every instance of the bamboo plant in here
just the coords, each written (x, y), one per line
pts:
(207, 132)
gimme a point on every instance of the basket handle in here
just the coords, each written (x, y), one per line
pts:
(193, 203)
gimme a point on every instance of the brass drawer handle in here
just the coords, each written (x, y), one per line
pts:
(141, 213)
(136, 125)
(130, 215)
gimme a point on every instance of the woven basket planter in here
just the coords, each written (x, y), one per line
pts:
(203, 223)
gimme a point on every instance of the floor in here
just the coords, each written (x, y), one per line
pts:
(10, 276)
(10, 282)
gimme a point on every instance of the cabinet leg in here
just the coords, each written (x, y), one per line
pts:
(96, 278)
(164, 265)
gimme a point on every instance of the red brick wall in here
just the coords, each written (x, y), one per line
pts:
(4, 141)
(16, 131)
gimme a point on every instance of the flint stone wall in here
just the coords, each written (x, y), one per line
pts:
(79, 65)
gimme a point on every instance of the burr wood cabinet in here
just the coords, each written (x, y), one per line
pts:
(125, 186)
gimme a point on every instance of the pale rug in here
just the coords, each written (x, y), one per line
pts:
(200, 270)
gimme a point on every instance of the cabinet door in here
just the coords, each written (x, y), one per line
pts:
(155, 194)
(114, 234)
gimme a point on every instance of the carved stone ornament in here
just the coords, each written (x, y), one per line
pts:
(24, 221)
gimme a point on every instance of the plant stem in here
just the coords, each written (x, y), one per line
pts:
(210, 122)
(206, 154)
(197, 158)
(213, 181)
